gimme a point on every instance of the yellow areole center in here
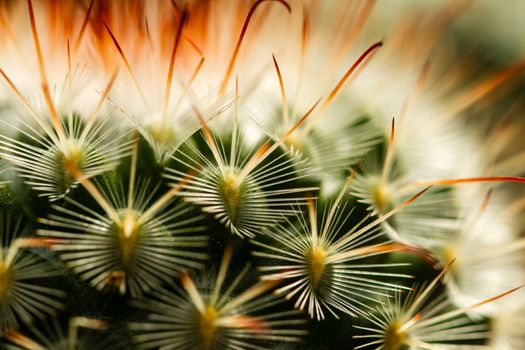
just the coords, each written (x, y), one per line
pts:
(208, 326)
(394, 337)
(5, 279)
(317, 265)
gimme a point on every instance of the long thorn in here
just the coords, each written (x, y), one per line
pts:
(422, 296)
(193, 293)
(210, 140)
(335, 205)
(164, 200)
(45, 85)
(22, 340)
(390, 152)
(30, 109)
(182, 23)
(84, 26)
(233, 58)
(472, 179)
(94, 114)
(349, 72)
(133, 170)
(349, 237)
(127, 64)
(340, 84)
(284, 103)
(472, 95)
(93, 190)
(223, 270)
(265, 150)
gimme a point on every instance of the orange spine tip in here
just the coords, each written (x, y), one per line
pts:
(301, 121)
(45, 85)
(84, 25)
(473, 179)
(490, 300)
(182, 23)
(349, 72)
(233, 58)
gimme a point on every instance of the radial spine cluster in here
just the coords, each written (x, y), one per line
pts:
(262, 174)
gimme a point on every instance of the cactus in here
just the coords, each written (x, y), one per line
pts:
(257, 175)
